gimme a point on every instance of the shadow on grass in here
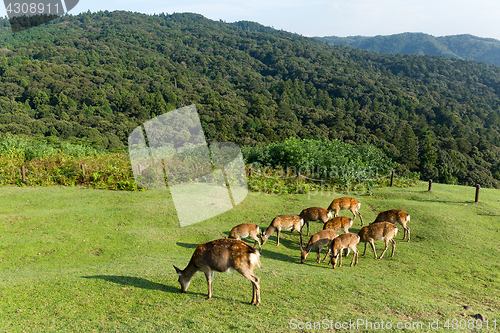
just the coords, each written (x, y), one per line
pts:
(134, 282)
(187, 245)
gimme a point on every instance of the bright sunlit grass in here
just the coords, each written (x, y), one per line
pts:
(75, 259)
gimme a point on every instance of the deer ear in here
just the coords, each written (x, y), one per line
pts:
(178, 271)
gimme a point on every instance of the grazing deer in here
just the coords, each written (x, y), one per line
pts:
(339, 223)
(396, 216)
(245, 230)
(284, 222)
(315, 214)
(346, 203)
(345, 241)
(379, 231)
(317, 241)
(222, 255)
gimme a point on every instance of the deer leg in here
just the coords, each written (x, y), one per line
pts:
(318, 249)
(407, 231)
(278, 242)
(327, 253)
(257, 241)
(340, 257)
(209, 274)
(393, 247)
(386, 247)
(355, 256)
(373, 247)
(306, 221)
(364, 252)
(256, 287)
(356, 212)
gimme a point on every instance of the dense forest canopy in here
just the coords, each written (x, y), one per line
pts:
(455, 46)
(93, 77)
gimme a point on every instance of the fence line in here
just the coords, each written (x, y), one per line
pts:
(23, 171)
(453, 191)
(251, 171)
(489, 195)
(299, 175)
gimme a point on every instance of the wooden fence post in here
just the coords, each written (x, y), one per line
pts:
(430, 184)
(82, 166)
(392, 178)
(23, 173)
(478, 187)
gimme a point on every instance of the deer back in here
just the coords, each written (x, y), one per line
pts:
(315, 214)
(344, 241)
(393, 215)
(323, 237)
(377, 231)
(343, 203)
(244, 230)
(338, 223)
(287, 222)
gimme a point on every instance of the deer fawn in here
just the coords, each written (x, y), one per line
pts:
(345, 241)
(339, 223)
(284, 222)
(379, 231)
(245, 230)
(315, 214)
(396, 216)
(346, 203)
(317, 241)
(222, 255)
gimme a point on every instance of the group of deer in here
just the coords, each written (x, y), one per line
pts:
(227, 254)
(383, 228)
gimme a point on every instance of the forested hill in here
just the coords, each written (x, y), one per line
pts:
(456, 46)
(93, 77)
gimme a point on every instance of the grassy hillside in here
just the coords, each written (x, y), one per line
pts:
(75, 259)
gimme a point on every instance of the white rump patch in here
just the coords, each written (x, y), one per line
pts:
(254, 259)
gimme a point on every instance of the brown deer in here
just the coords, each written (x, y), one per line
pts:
(339, 223)
(245, 230)
(346, 203)
(222, 255)
(396, 216)
(379, 231)
(317, 241)
(315, 214)
(345, 241)
(284, 222)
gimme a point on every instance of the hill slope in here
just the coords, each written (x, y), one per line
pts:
(456, 46)
(81, 260)
(93, 77)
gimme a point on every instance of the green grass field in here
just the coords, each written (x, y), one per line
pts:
(85, 260)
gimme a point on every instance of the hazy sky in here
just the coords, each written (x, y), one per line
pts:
(333, 17)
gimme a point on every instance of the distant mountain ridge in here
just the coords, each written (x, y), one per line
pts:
(467, 47)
